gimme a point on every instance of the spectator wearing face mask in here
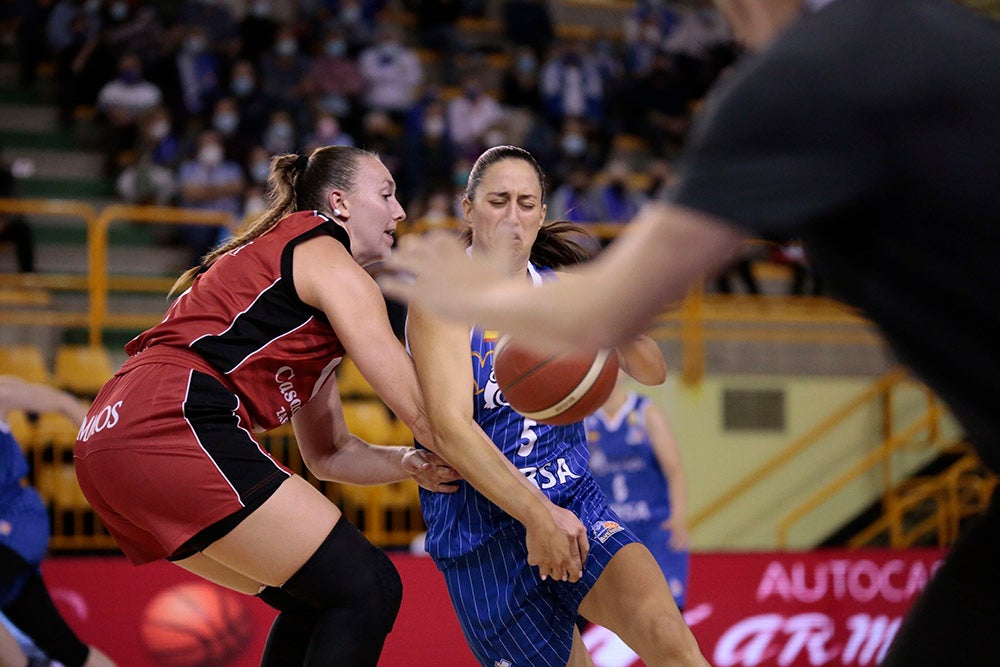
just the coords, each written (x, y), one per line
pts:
(392, 73)
(326, 131)
(334, 81)
(470, 115)
(226, 120)
(257, 30)
(252, 102)
(121, 103)
(429, 152)
(208, 181)
(284, 71)
(216, 18)
(571, 86)
(519, 84)
(198, 74)
(280, 135)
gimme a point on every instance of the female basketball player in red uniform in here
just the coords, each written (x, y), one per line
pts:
(168, 455)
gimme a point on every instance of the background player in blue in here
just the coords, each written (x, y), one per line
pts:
(636, 462)
(867, 129)
(24, 533)
(481, 537)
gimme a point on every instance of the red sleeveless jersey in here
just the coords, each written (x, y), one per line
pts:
(243, 317)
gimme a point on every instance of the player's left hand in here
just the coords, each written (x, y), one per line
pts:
(430, 471)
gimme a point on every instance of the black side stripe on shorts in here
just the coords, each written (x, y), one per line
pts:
(210, 409)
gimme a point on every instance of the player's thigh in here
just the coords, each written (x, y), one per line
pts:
(631, 586)
(216, 572)
(271, 544)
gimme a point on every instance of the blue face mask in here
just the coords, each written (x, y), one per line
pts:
(259, 171)
(129, 76)
(336, 48)
(225, 122)
(242, 85)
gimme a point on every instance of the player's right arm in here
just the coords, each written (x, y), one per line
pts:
(556, 539)
(613, 298)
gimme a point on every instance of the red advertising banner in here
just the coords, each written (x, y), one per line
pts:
(827, 607)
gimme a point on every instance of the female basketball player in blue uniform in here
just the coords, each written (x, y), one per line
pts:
(512, 614)
(635, 460)
(24, 534)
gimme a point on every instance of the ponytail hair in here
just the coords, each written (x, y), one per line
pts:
(295, 183)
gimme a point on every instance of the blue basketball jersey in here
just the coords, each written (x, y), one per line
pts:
(624, 464)
(13, 466)
(553, 457)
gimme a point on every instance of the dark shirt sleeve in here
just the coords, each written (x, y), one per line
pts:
(782, 143)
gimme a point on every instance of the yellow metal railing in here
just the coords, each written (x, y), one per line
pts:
(893, 438)
(100, 283)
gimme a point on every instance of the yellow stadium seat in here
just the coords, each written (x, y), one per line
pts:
(82, 369)
(369, 420)
(57, 484)
(24, 361)
(22, 429)
(56, 430)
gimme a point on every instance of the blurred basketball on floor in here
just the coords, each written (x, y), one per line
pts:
(195, 625)
(555, 389)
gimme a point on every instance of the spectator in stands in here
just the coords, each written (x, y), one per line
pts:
(121, 103)
(793, 255)
(438, 31)
(257, 30)
(227, 122)
(571, 86)
(326, 131)
(470, 115)
(617, 201)
(429, 153)
(577, 145)
(24, 533)
(14, 229)
(392, 73)
(182, 474)
(72, 33)
(529, 23)
(254, 105)
(519, 85)
(661, 106)
(32, 49)
(647, 27)
(217, 20)
(575, 199)
(158, 139)
(212, 181)
(197, 72)
(281, 134)
(284, 73)
(334, 82)
(131, 26)
(145, 182)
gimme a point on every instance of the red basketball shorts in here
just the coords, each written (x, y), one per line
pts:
(165, 453)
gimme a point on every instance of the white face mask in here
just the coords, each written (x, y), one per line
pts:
(210, 155)
(286, 47)
(159, 129)
(434, 126)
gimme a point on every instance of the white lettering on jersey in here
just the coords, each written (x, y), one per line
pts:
(283, 378)
(107, 418)
(549, 474)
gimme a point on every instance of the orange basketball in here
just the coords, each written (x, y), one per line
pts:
(557, 388)
(195, 625)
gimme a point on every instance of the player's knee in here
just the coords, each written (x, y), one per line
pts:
(346, 571)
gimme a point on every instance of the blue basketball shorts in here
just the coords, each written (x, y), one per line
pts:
(24, 538)
(510, 617)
